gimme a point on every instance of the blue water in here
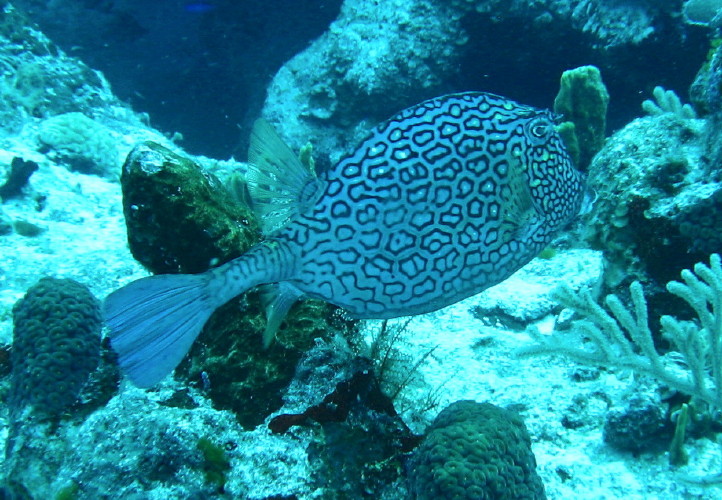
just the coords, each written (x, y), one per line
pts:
(337, 408)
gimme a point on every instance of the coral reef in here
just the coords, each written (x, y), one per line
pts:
(666, 101)
(377, 58)
(393, 47)
(364, 439)
(657, 203)
(20, 172)
(171, 459)
(56, 348)
(706, 90)
(404, 59)
(475, 451)
(230, 362)
(239, 421)
(56, 345)
(611, 23)
(622, 339)
(82, 143)
(706, 94)
(702, 12)
(38, 80)
(658, 185)
(200, 72)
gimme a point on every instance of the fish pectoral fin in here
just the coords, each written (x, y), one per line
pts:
(279, 183)
(520, 216)
(278, 299)
(519, 228)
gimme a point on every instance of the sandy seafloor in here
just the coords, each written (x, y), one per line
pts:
(84, 239)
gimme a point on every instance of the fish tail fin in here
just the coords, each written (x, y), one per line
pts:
(153, 322)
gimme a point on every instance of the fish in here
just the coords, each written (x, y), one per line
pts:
(438, 203)
(199, 7)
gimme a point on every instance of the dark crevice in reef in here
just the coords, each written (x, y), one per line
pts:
(501, 50)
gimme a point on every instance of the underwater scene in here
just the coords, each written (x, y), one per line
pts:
(350, 249)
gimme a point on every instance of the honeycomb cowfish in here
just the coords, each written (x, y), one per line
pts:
(440, 202)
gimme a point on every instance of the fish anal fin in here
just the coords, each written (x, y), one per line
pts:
(280, 183)
(278, 299)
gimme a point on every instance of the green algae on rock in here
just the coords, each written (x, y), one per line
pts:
(182, 219)
(179, 217)
(238, 374)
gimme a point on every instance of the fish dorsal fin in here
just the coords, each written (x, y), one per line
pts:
(278, 299)
(280, 185)
(520, 216)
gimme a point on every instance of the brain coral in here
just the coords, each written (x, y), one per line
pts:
(56, 345)
(475, 451)
(82, 143)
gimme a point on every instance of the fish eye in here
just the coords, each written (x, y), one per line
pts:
(539, 128)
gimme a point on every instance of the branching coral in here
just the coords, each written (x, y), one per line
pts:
(666, 101)
(623, 339)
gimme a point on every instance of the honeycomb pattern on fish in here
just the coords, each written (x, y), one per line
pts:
(447, 198)
(419, 216)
